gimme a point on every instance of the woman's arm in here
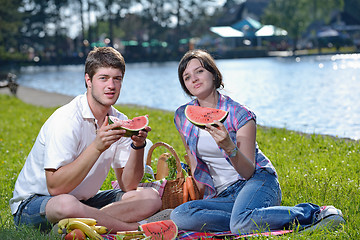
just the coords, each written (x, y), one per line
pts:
(244, 160)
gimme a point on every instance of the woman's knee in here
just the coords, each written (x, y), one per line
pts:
(177, 217)
(178, 213)
(182, 217)
(242, 223)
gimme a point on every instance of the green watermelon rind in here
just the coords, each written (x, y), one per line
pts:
(152, 230)
(202, 125)
(129, 132)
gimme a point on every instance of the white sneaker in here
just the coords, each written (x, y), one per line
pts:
(329, 218)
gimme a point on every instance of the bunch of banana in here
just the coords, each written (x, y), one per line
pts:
(86, 225)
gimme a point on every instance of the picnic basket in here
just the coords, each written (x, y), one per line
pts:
(173, 190)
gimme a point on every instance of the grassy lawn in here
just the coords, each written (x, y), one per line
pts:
(312, 168)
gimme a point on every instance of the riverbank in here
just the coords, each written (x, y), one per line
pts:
(311, 168)
(38, 97)
(50, 99)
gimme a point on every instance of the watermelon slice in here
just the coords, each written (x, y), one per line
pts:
(199, 116)
(160, 230)
(132, 126)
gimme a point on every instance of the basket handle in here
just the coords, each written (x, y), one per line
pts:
(179, 173)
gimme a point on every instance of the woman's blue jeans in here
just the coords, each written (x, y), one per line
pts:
(244, 207)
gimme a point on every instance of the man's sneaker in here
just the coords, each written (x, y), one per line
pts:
(328, 218)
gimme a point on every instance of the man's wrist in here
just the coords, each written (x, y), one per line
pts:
(137, 147)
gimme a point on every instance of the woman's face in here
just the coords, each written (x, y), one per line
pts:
(198, 80)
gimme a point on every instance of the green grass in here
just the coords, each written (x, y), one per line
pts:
(312, 168)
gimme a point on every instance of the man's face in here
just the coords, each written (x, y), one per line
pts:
(105, 86)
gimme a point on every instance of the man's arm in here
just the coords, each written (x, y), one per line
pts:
(130, 176)
(68, 177)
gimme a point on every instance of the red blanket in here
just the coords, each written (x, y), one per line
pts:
(189, 235)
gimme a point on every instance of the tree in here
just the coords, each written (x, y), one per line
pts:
(10, 22)
(181, 18)
(114, 9)
(352, 7)
(296, 16)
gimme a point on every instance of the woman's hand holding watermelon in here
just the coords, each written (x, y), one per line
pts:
(221, 136)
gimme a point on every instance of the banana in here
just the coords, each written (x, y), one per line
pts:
(64, 222)
(88, 221)
(91, 233)
(100, 229)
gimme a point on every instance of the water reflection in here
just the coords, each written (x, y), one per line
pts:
(309, 94)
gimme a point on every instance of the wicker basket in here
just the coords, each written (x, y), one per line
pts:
(173, 191)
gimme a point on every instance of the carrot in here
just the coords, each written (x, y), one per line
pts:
(191, 189)
(185, 192)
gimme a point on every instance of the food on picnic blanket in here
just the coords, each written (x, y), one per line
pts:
(132, 126)
(86, 225)
(127, 235)
(100, 229)
(190, 186)
(199, 116)
(171, 162)
(75, 234)
(162, 170)
(63, 222)
(91, 233)
(160, 230)
(185, 192)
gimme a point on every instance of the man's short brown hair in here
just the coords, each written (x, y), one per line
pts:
(107, 57)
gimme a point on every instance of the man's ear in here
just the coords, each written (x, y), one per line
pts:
(87, 80)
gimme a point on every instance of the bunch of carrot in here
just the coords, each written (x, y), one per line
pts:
(188, 190)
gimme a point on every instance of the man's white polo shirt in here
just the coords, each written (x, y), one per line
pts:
(63, 137)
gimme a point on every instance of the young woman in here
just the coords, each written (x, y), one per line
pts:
(239, 183)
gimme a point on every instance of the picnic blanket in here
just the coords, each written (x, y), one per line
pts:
(191, 235)
(158, 185)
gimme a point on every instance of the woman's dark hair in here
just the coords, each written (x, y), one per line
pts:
(206, 60)
(106, 57)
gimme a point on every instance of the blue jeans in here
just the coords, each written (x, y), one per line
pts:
(31, 211)
(244, 207)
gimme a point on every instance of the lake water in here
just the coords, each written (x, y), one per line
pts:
(317, 94)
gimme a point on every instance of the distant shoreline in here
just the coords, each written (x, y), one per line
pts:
(48, 99)
(233, 54)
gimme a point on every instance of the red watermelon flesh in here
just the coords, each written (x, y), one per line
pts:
(132, 126)
(200, 116)
(160, 230)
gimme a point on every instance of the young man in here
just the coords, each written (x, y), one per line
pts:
(73, 153)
